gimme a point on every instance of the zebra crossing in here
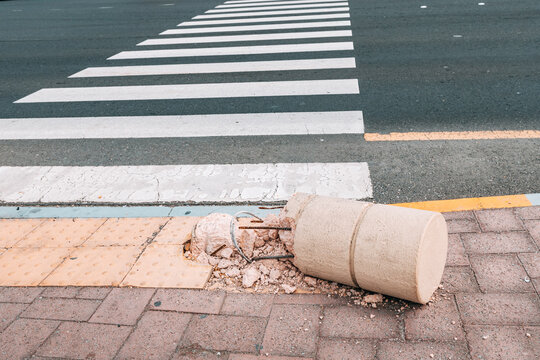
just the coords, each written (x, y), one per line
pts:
(207, 44)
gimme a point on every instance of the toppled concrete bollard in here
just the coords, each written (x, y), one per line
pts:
(387, 249)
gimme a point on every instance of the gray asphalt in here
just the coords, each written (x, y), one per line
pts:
(414, 75)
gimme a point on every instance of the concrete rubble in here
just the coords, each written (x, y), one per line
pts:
(212, 244)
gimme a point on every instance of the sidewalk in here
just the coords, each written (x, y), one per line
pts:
(487, 308)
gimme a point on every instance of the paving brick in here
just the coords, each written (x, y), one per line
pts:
(531, 262)
(61, 233)
(493, 243)
(156, 336)
(194, 301)
(456, 251)
(61, 309)
(490, 342)
(98, 293)
(391, 350)
(29, 266)
(458, 215)
(85, 341)
(439, 321)
(499, 309)
(261, 357)
(196, 354)
(9, 312)
(247, 304)
(462, 226)
(95, 266)
(126, 232)
(536, 283)
(19, 294)
(60, 292)
(346, 349)
(533, 227)
(499, 220)
(225, 333)
(23, 337)
(177, 230)
(122, 306)
(13, 230)
(292, 330)
(309, 299)
(457, 279)
(500, 273)
(529, 212)
(356, 322)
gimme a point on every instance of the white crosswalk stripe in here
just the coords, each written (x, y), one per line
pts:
(250, 1)
(235, 50)
(261, 8)
(182, 183)
(267, 19)
(257, 37)
(213, 182)
(264, 3)
(214, 125)
(221, 29)
(266, 13)
(195, 91)
(212, 68)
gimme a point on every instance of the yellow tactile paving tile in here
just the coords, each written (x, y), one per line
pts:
(94, 266)
(177, 231)
(13, 230)
(61, 233)
(489, 202)
(454, 135)
(126, 231)
(165, 266)
(29, 266)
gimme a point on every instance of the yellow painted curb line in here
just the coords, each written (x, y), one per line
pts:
(478, 203)
(454, 135)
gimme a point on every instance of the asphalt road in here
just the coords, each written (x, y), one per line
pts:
(453, 66)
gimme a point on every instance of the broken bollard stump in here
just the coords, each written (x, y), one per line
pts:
(382, 248)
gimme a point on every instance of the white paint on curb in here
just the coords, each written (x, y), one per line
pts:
(182, 183)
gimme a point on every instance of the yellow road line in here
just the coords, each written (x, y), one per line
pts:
(454, 135)
(490, 202)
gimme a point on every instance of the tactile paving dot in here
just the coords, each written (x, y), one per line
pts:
(94, 266)
(166, 266)
(29, 266)
(14, 230)
(177, 231)
(61, 233)
(125, 231)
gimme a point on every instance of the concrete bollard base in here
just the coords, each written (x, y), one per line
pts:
(392, 250)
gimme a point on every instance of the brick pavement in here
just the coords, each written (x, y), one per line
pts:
(488, 308)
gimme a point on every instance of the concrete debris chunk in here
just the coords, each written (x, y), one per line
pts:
(246, 240)
(226, 253)
(288, 288)
(212, 233)
(250, 276)
(373, 298)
